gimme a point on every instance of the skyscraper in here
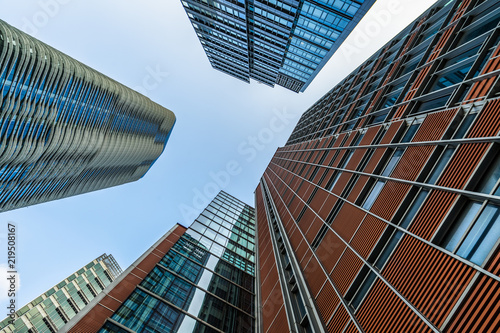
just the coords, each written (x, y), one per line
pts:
(200, 279)
(274, 42)
(66, 129)
(51, 310)
(382, 211)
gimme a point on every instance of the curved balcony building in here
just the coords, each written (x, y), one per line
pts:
(66, 129)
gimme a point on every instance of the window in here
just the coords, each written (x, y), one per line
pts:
(451, 77)
(393, 162)
(360, 286)
(345, 159)
(391, 245)
(475, 232)
(373, 194)
(410, 133)
(412, 211)
(490, 178)
(432, 104)
(438, 168)
(464, 126)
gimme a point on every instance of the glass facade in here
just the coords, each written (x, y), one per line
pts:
(205, 282)
(50, 311)
(66, 129)
(284, 42)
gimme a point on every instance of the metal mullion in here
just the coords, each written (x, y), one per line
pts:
(408, 144)
(213, 272)
(474, 195)
(311, 311)
(465, 261)
(372, 268)
(176, 307)
(337, 292)
(246, 261)
(176, 274)
(123, 327)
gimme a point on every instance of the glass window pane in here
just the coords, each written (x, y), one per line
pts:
(410, 133)
(388, 249)
(393, 162)
(460, 226)
(363, 289)
(414, 208)
(443, 160)
(464, 126)
(374, 194)
(491, 177)
(482, 237)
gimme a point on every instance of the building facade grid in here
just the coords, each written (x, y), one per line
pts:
(51, 310)
(387, 189)
(284, 42)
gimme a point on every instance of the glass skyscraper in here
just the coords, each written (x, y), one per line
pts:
(284, 42)
(51, 310)
(66, 129)
(200, 279)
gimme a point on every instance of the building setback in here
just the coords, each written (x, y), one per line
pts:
(382, 211)
(50, 311)
(284, 42)
(200, 279)
(66, 129)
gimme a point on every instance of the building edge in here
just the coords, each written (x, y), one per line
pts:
(90, 318)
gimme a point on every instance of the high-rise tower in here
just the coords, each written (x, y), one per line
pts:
(382, 211)
(51, 310)
(284, 42)
(66, 129)
(200, 279)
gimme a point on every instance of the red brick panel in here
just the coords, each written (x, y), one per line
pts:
(93, 321)
(433, 211)
(271, 308)
(389, 199)
(327, 300)
(346, 270)
(480, 310)
(367, 235)
(383, 311)
(348, 220)
(280, 323)
(351, 328)
(329, 250)
(480, 89)
(431, 280)
(339, 320)
(272, 298)
(487, 123)
(314, 276)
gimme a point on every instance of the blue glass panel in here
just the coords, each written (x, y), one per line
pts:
(460, 226)
(436, 172)
(414, 208)
(482, 237)
(373, 194)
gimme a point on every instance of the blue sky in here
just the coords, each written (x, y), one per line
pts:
(225, 135)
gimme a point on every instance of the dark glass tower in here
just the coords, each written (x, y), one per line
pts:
(66, 129)
(197, 280)
(284, 42)
(382, 211)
